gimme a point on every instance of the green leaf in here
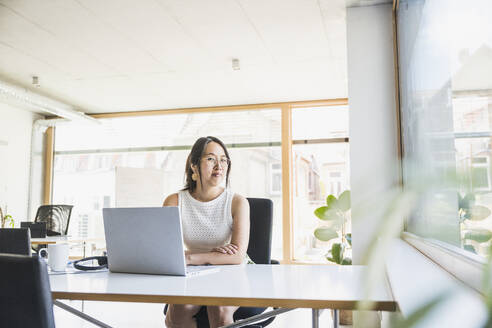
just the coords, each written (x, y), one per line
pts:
(320, 212)
(470, 248)
(325, 213)
(468, 200)
(460, 201)
(478, 213)
(325, 234)
(348, 236)
(331, 202)
(337, 251)
(329, 258)
(344, 201)
(346, 261)
(478, 234)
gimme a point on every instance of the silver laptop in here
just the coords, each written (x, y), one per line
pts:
(147, 240)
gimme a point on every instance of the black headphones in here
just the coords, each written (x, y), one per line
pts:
(102, 262)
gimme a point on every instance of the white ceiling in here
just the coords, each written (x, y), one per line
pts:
(119, 55)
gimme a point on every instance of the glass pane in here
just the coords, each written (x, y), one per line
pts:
(252, 176)
(138, 161)
(319, 170)
(320, 122)
(446, 105)
(170, 130)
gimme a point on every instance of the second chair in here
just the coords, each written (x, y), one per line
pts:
(57, 218)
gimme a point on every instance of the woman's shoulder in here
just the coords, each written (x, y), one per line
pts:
(239, 200)
(171, 200)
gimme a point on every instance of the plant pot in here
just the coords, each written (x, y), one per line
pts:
(344, 316)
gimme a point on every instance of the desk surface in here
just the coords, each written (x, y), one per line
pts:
(288, 286)
(62, 239)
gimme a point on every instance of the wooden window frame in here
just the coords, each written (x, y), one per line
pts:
(286, 149)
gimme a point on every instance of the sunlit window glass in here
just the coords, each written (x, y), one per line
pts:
(320, 168)
(445, 55)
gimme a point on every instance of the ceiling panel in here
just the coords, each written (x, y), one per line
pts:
(30, 40)
(222, 28)
(292, 29)
(84, 32)
(153, 29)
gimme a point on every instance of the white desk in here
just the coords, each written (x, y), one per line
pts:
(284, 286)
(63, 239)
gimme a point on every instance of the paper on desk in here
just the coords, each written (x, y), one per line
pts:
(71, 270)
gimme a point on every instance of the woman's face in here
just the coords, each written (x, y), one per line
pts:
(214, 164)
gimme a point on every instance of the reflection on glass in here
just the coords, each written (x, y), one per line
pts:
(445, 50)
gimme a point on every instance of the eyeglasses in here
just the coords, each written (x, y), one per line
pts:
(213, 161)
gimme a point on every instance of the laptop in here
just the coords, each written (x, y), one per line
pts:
(147, 240)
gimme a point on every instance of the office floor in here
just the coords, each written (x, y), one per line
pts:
(123, 315)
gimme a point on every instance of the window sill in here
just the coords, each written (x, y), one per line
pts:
(463, 265)
(416, 281)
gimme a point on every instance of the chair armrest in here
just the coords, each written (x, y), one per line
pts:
(274, 262)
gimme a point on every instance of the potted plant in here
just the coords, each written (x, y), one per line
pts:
(470, 212)
(335, 216)
(6, 219)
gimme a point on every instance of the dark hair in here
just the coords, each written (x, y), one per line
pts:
(194, 158)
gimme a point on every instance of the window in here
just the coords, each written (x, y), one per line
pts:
(445, 56)
(320, 168)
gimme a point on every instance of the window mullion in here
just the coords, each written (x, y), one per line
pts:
(287, 199)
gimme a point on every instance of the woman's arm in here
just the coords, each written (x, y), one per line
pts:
(172, 200)
(239, 239)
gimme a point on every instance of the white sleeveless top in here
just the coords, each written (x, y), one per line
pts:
(206, 224)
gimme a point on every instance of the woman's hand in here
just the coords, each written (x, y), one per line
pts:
(230, 249)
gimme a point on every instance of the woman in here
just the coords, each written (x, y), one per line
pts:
(215, 223)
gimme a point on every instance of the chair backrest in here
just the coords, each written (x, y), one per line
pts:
(57, 218)
(15, 241)
(260, 235)
(25, 297)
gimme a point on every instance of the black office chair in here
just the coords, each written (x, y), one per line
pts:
(259, 250)
(57, 218)
(15, 241)
(25, 297)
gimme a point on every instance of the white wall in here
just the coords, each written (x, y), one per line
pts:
(373, 132)
(15, 150)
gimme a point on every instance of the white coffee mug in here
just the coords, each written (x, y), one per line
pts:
(57, 255)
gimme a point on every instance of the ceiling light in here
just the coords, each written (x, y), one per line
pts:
(35, 81)
(11, 93)
(235, 64)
